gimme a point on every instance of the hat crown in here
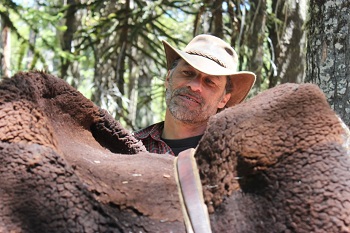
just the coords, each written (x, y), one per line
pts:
(213, 56)
(215, 49)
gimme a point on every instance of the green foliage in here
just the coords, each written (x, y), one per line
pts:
(112, 52)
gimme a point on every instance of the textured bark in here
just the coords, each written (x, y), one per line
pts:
(328, 52)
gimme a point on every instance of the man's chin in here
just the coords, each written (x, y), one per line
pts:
(188, 117)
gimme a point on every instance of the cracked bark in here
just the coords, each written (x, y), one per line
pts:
(327, 52)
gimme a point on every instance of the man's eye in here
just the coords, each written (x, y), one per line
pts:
(209, 81)
(187, 73)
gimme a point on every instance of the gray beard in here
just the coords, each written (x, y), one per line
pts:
(180, 112)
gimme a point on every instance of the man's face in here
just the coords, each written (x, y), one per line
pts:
(193, 96)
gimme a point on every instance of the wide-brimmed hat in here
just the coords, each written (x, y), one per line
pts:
(213, 56)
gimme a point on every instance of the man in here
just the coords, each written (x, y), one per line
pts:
(201, 81)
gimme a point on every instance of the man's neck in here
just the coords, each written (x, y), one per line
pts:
(175, 129)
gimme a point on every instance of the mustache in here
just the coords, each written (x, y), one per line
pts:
(186, 91)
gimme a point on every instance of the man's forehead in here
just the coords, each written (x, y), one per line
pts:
(185, 63)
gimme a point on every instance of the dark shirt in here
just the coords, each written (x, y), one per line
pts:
(151, 138)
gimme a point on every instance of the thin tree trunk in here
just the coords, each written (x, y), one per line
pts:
(198, 21)
(255, 39)
(6, 46)
(124, 46)
(133, 90)
(328, 52)
(290, 43)
(71, 24)
(30, 53)
(218, 22)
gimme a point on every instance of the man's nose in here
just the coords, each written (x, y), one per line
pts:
(195, 83)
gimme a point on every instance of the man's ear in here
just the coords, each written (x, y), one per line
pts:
(224, 100)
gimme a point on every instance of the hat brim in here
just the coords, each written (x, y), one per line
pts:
(242, 81)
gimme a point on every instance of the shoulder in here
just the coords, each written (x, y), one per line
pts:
(149, 130)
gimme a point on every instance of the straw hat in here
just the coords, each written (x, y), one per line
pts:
(213, 56)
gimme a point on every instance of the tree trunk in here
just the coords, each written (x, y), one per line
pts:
(288, 37)
(71, 24)
(112, 55)
(255, 39)
(328, 52)
(6, 47)
(218, 22)
(133, 90)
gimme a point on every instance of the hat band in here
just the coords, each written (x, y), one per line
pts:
(214, 59)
